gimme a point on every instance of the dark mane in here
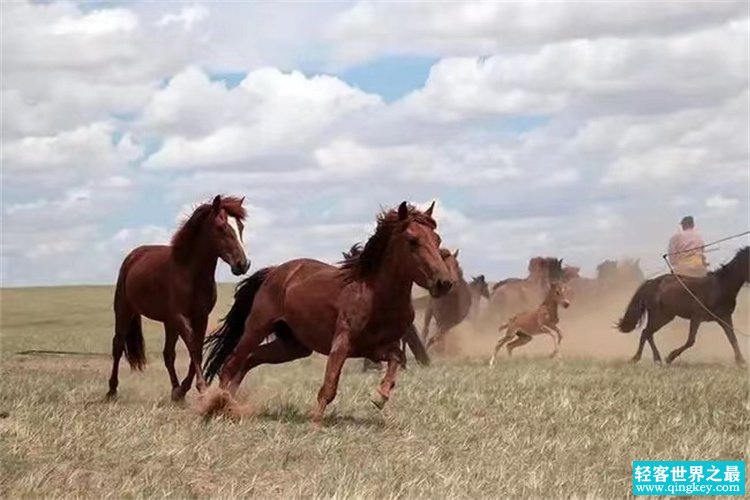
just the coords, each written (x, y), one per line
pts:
(742, 253)
(363, 264)
(185, 239)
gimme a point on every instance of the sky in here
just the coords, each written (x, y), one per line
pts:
(583, 130)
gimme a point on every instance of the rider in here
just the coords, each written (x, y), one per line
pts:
(685, 251)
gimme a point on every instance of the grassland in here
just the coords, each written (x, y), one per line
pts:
(529, 428)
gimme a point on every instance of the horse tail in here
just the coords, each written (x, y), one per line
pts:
(225, 338)
(135, 347)
(417, 347)
(636, 309)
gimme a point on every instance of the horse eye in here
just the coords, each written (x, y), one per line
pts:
(413, 243)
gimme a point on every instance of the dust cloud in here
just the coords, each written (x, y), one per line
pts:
(589, 332)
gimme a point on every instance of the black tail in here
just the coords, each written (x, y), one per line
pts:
(636, 309)
(135, 350)
(417, 347)
(224, 339)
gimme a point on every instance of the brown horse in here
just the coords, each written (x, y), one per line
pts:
(611, 277)
(665, 297)
(411, 338)
(521, 327)
(175, 285)
(360, 309)
(513, 295)
(452, 308)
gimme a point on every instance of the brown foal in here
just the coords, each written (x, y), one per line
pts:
(521, 327)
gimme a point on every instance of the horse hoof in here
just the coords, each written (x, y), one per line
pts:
(378, 400)
(111, 396)
(740, 363)
(178, 394)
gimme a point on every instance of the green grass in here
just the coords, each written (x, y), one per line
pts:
(529, 428)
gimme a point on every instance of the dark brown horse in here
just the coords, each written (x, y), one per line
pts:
(664, 297)
(450, 309)
(478, 288)
(175, 285)
(360, 309)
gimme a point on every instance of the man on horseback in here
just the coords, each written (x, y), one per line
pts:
(685, 251)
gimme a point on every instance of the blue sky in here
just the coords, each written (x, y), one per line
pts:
(586, 135)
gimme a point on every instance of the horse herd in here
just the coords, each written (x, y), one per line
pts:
(363, 307)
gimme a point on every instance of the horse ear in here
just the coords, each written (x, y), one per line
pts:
(216, 205)
(455, 254)
(429, 210)
(242, 200)
(403, 211)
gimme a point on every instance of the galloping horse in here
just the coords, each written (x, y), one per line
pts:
(360, 309)
(514, 295)
(665, 297)
(175, 285)
(521, 327)
(411, 338)
(452, 308)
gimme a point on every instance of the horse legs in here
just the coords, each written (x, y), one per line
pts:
(641, 343)
(647, 335)
(237, 363)
(555, 340)
(437, 339)
(523, 338)
(501, 342)
(198, 326)
(383, 393)
(728, 328)
(181, 325)
(275, 352)
(340, 350)
(123, 318)
(426, 325)
(170, 342)
(694, 324)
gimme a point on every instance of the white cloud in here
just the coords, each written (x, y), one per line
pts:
(580, 130)
(366, 30)
(187, 17)
(85, 149)
(269, 111)
(590, 77)
(721, 203)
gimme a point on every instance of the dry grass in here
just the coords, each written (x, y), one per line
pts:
(531, 427)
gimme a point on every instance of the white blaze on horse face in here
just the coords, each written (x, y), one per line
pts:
(232, 222)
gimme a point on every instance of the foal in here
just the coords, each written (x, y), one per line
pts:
(521, 327)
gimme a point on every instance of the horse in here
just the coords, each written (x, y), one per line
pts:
(450, 309)
(521, 327)
(478, 287)
(513, 295)
(711, 298)
(358, 309)
(410, 338)
(611, 276)
(174, 284)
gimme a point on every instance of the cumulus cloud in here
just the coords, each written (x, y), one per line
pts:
(269, 111)
(580, 130)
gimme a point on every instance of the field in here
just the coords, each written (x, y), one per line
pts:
(530, 427)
